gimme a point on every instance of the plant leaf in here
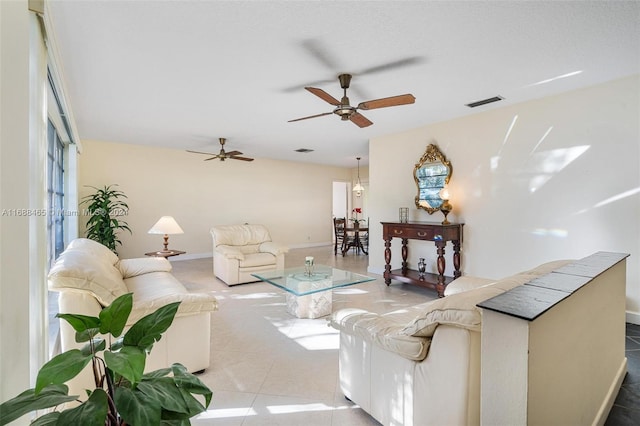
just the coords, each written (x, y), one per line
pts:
(28, 401)
(47, 419)
(93, 347)
(136, 408)
(190, 383)
(127, 362)
(156, 373)
(61, 368)
(114, 317)
(81, 322)
(149, 329)
(92, 412)
(165, 391)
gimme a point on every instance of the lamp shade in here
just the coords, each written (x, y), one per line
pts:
(358, 187)
(166, 225)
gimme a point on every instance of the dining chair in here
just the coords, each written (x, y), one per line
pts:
(365, 238)
(339, 224)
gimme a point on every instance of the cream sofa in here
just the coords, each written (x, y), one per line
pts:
(421, 365)
(242, 250)
(89, 276)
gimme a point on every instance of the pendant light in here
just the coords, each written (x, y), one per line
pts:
(358, 188)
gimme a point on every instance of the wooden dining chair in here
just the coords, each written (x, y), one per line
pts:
(339, 225)
(364, 237)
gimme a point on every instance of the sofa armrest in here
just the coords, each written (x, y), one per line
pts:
(273, 248)
(144, 265)
(230, 252)
(466, 283)
(381, 330)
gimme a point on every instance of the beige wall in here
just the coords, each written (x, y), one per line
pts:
(526, 198)
(292, 199)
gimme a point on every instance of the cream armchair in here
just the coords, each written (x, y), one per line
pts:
(241, 250)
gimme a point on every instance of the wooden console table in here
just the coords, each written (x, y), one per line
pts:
(427, 231)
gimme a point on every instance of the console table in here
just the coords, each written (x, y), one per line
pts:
(427, 231)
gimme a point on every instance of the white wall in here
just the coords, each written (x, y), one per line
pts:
(294, 200)
(526, 198)
(23, 337)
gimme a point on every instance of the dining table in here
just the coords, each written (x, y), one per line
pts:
(356, 241)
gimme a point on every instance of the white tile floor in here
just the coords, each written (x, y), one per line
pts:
(270, 368)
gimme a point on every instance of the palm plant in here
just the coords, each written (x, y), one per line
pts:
(104, 207)
(123, 394)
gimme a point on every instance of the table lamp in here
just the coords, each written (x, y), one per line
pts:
(166, 225)
(446, 207)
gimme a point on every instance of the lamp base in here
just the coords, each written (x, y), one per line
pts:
(446, 208)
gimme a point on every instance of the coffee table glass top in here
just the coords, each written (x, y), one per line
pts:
(296, 281)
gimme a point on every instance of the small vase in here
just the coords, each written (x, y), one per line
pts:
(422, 267)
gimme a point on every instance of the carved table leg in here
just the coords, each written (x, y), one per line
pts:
(405, 252)
(387, 260)
(456, 259)
(441, 267)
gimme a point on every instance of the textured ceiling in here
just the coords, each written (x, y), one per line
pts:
(182, 74)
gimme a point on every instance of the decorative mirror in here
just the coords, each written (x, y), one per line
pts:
(431, 174)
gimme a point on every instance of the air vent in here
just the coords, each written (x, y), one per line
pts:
(304, 150)
(484, 101)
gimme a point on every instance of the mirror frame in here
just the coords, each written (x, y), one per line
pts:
(431, 155)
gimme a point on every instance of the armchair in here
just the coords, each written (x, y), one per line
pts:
(241, 250)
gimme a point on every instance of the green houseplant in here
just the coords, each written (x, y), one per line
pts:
(123, 394)
(104, 206)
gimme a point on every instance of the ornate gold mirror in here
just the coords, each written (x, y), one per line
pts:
(431, 174)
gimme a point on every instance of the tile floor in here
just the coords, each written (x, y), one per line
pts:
(269, 368)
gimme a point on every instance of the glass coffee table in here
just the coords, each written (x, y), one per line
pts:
(310, 296)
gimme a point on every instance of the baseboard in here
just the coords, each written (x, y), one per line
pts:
(309, 245)
(612, 393)
(190, 256)
(633, 317)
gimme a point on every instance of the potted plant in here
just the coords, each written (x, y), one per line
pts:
(123, 394)
(104, 207)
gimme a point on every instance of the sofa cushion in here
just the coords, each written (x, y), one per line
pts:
(256, 259)
(94, 248)
(459, 309)
(156, 289)
(81, 270)
(382, 330)
(240, 235)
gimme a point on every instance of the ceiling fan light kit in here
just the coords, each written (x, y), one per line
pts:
(343, 107)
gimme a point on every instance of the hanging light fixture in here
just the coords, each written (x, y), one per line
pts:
(358, 188)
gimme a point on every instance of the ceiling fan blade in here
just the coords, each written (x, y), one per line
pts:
(388, 102)
(241, 158)
(311, 116)
(232, 153)
(198, 152)
(212, 158)
(323, 95)
(360, 120)
(413, 60)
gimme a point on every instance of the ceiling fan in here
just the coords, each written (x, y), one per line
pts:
(234, 155)
(347, 112)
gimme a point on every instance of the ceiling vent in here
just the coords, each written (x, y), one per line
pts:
(484, 101)
(304, 150)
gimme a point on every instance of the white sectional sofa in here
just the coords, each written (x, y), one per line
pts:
(242, 250)
(421, 365)
(89, 277)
